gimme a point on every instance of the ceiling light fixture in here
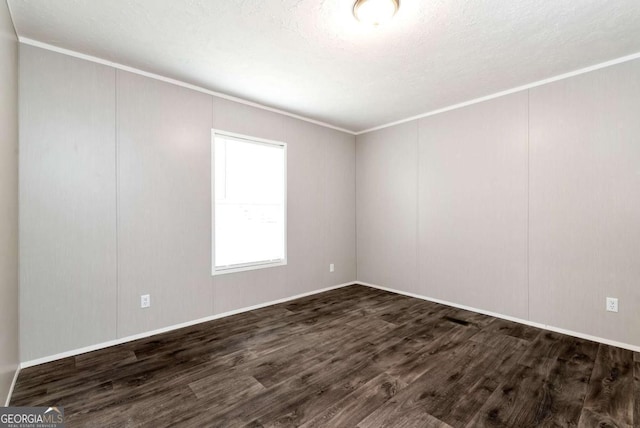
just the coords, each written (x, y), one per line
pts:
(375, 12)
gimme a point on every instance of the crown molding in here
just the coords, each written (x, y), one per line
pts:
(508, 91)
(42, 45)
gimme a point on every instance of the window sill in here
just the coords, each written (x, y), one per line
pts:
(243, 268)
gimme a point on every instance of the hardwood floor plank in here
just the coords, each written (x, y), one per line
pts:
(107, 359)
(402, 417)
(550, 392)
(127, 393)
(405, 311)
(348, 366)
(34, 380)
(546, 345)
(476, 396)
(372, 324)
(275, 368)
(475, 381)
(234, 386)
(510, 328)
(412, 419)
(310, 404)
(636, 394)
(521, 401)
(396, 353)
(576, 349)
(491, 339)
(359, 404)
(453, 374)
(438, 370)
(473, 318)
(591, 419)
(434, 353)
(566, 386)
(153, 412)
(610, 393)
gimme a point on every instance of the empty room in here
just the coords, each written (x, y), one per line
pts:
(319, 213)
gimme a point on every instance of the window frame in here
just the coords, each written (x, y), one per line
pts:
(252, 265)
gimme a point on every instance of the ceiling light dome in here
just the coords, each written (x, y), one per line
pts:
(375, 12)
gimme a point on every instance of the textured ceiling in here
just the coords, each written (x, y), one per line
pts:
(312, 58)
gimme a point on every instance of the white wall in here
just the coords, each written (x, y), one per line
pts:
(8, 202)
(116, 202)
(526, 205)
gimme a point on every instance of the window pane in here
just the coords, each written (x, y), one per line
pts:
(249, 202)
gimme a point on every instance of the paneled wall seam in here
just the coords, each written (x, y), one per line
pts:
(355, 202)
(528, 202)
(20, 349)
(117, 171)
(417, 269)
(211, 172)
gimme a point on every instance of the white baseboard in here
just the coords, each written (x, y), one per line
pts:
(120, 341)
(509, 318)
(13, 385)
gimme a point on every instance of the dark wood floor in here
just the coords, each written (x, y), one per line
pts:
(352, 357)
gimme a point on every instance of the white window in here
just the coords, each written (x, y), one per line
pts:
(249, 203)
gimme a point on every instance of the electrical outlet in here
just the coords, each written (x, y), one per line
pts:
(332, 268)
(145, 301)
(612, 304)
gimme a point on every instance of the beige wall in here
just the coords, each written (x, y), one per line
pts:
(526, 205)
(164, 207)
(67, 203)
(387, 206)
(126, 207)
(585, 202)
(8, 202)
(472, 208)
